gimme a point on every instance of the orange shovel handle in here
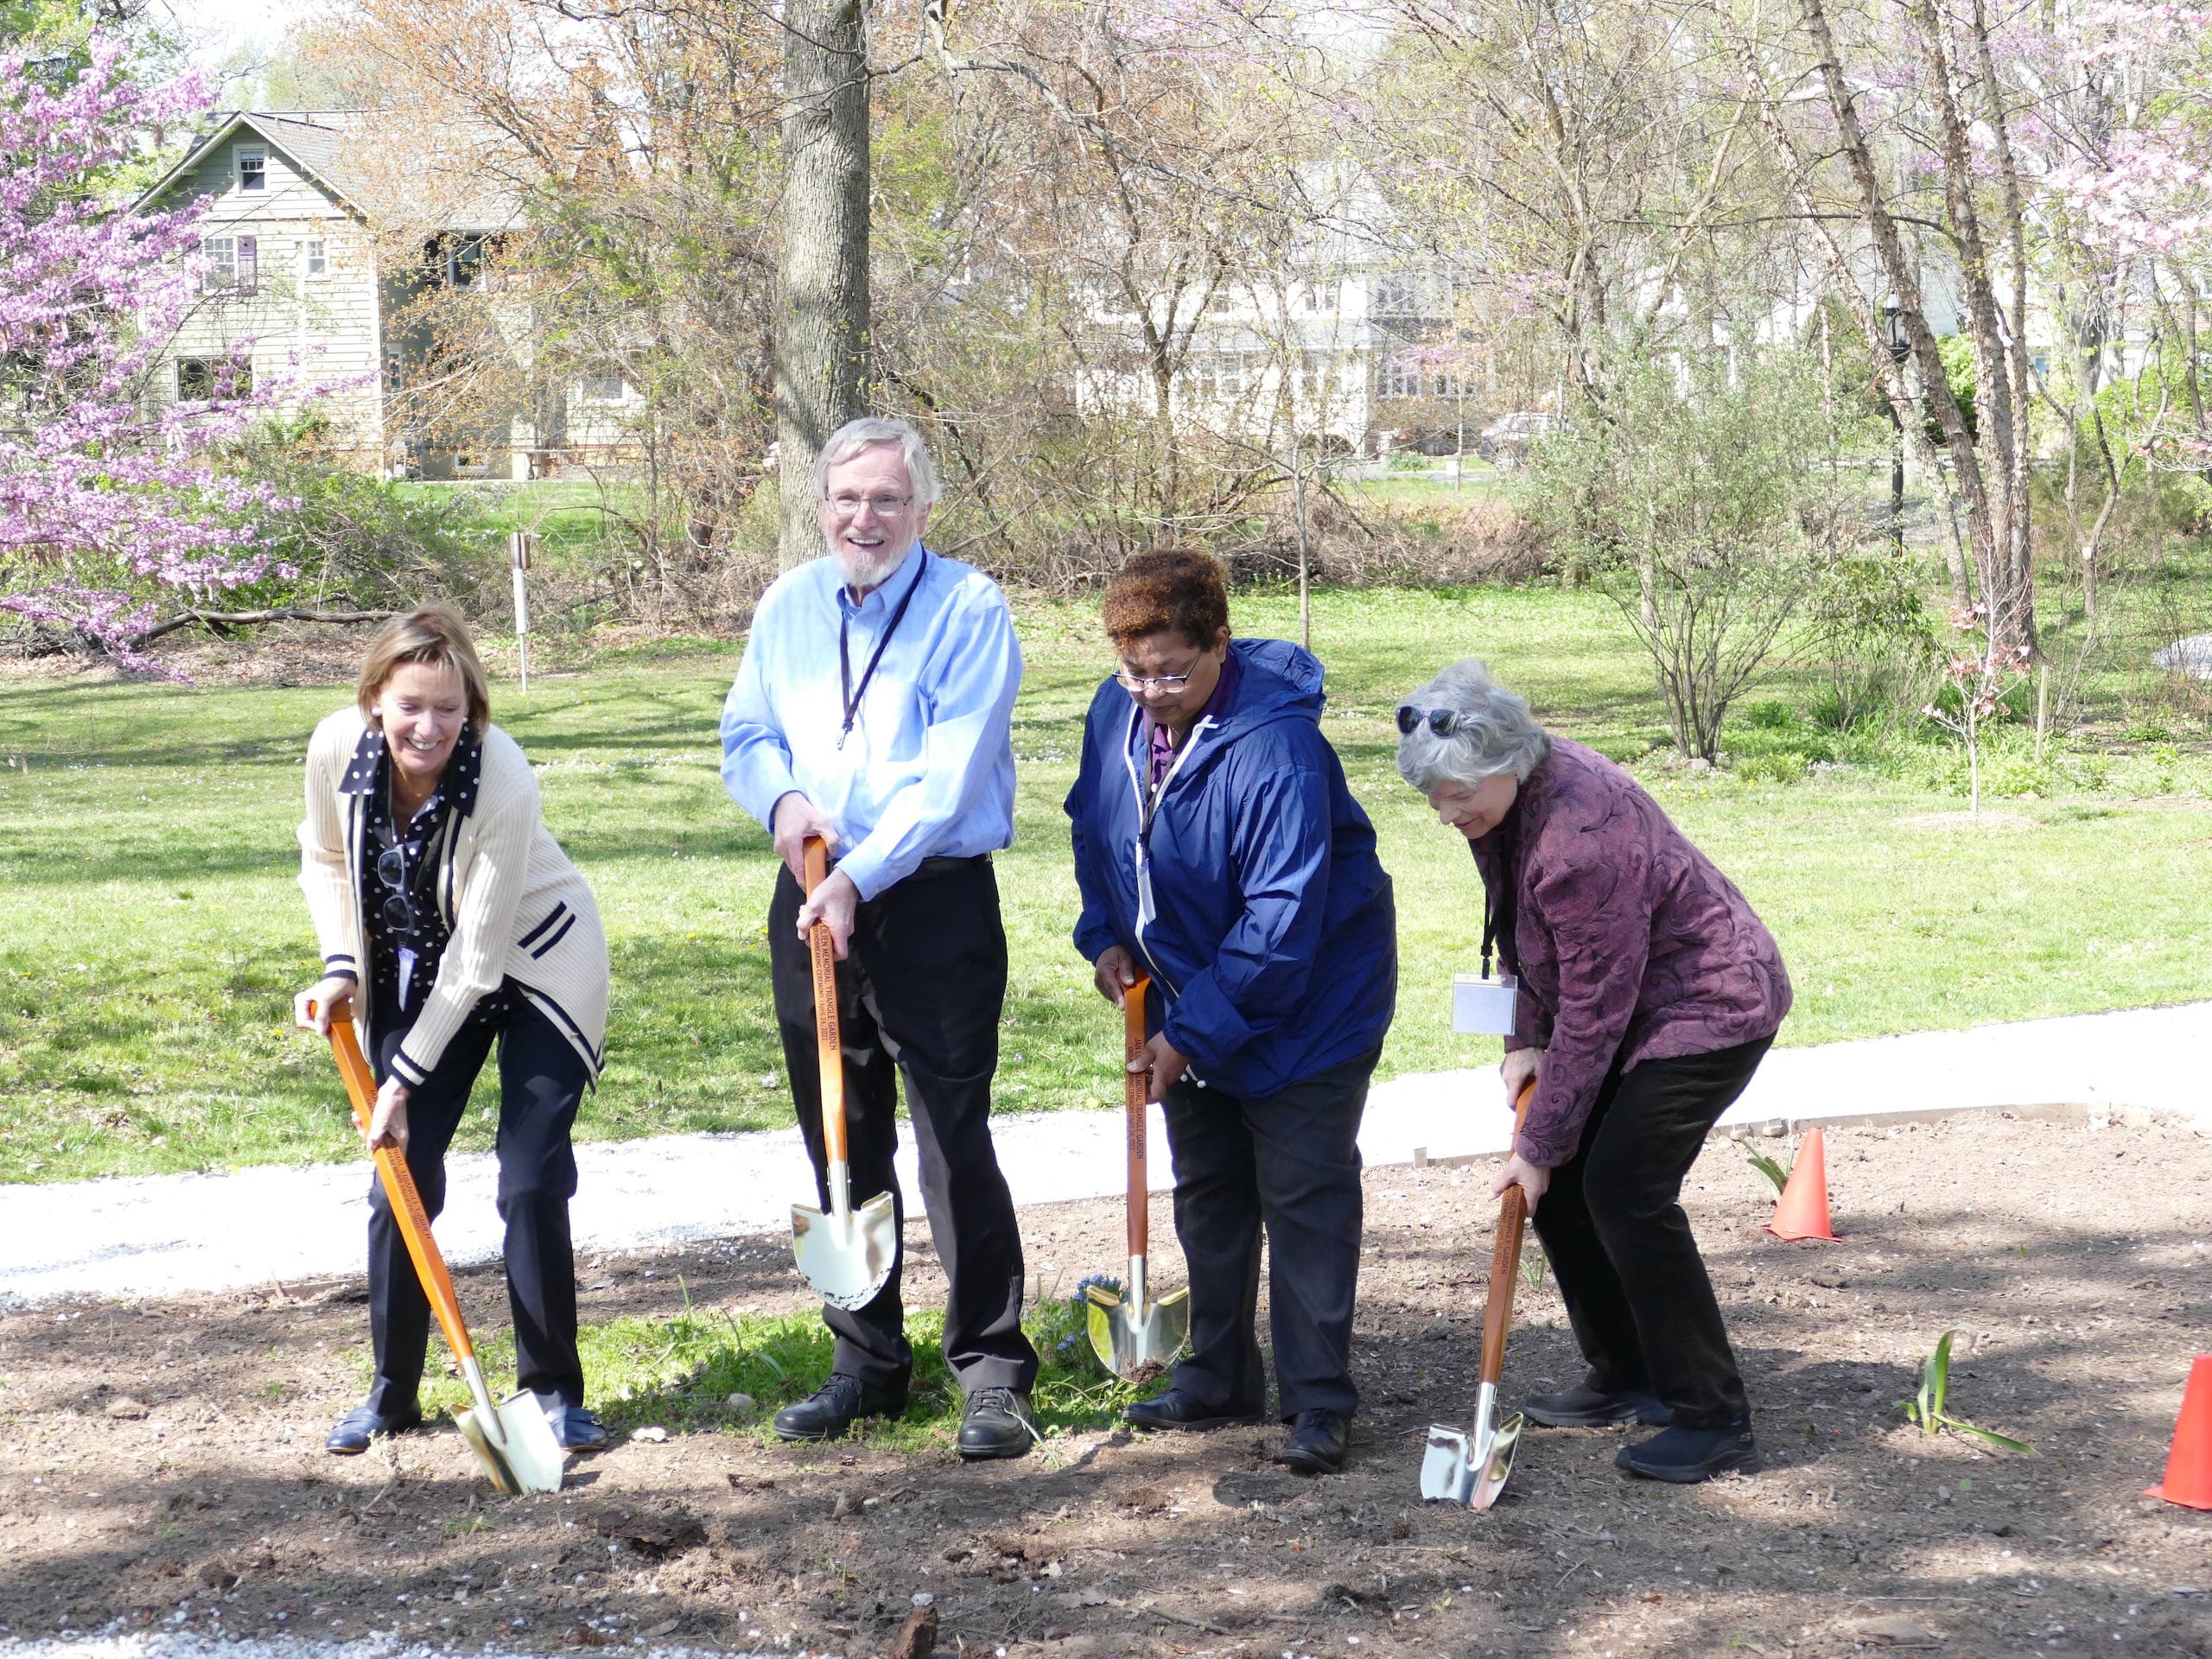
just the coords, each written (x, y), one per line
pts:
(1133, 1092)
(1505, 1263)
(399, 1190)
(828, 1041)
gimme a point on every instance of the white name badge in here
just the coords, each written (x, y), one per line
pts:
(1483, 1008)
(1147, 913)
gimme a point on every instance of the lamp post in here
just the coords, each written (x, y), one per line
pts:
(1893, 336)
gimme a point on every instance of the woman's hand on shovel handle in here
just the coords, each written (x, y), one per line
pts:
(1161, 1065)
(1114, 973)
(331, 1000)
(388, 1123)
(1521, 1067)
(1531, 1179)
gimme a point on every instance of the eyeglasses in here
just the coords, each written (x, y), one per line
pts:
(392, 870)
(883, 506)
(1156, 682)
(1442, 722)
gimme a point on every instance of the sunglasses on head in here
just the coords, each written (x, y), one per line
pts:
(1442, 722)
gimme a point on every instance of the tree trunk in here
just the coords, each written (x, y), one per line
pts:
(821, 344)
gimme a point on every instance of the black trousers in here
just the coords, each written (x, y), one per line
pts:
(920, 993)
(542, 1081)
(1290, 1164)
(1611, 1222)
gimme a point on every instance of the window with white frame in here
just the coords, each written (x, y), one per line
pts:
(602, 386)
(1398, 376)
(233, 264)
(1394, 296)
(253, 170)
(202, 379)
(314, 257)
(1317, 378)
(1216, 374)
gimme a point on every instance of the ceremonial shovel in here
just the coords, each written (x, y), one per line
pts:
(512, 1439)
(1471, 1466)
(846, 1255)
(1130, 1333)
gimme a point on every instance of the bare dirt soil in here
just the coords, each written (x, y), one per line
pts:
(161, 1464)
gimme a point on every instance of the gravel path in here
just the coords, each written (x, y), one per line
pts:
(166, 1234)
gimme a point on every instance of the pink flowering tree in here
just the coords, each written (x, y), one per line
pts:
(110, 496)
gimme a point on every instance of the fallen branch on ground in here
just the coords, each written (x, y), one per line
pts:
(216, 621)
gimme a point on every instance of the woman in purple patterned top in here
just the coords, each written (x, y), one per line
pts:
(1648, 993)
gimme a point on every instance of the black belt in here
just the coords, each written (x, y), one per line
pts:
(929, 869)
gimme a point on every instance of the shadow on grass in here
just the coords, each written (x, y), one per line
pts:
(681, 1374)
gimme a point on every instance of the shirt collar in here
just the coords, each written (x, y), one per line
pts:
(884, 594)
(458, 784)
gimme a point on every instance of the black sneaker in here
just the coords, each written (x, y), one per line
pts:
(1179, 1408)
(1582, 1406)
(998, 1424)
(353, 1433)
(1686, 1455)
(1317, 1443)
(832, 1409)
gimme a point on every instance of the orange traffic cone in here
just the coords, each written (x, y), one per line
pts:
(2188, 1466)
(1803, 1212)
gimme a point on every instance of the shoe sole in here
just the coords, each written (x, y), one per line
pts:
(1649, 1416)
(1300, 1463)
(1197, 1424)
(1744, 1463)
(995, 1454)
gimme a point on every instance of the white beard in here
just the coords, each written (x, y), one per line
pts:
(865, 573)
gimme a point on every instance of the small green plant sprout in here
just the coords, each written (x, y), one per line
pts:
(1765, 1165)
(1931, 1408)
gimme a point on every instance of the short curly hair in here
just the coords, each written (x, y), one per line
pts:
(1168, 587)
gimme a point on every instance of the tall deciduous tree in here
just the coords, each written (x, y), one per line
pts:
(822, 336)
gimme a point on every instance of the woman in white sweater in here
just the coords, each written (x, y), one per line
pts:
(449, 918)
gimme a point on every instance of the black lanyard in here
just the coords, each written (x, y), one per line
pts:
(845, 662)
(1499, 915)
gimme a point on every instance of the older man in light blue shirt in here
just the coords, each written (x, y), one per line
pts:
(873, 708)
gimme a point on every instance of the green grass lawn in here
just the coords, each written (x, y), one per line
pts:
(152, 935)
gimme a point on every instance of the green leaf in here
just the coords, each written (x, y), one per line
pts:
(2005, 1441)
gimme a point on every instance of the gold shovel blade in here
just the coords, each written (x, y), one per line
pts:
(847, 1265)
(518, 1449)
(1131, 1341)
(1498, 1465)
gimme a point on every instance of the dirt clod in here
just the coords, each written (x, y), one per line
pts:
(1146, 1500)
(216, 1573)
(123, 1409)
(656, 1535)
(917, 1637)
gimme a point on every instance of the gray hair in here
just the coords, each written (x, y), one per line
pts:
(869, 430)
(1492, 731)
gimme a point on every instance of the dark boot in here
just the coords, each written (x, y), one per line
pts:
(832, 1409)
(1317, 1443)
(1583, 1406)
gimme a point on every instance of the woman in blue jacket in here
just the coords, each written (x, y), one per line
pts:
(1220, 854)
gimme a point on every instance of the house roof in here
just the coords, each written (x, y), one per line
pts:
(399, 173)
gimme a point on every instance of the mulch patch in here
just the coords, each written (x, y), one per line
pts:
(160, 1463)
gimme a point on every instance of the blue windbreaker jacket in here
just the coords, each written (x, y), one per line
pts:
(1272, 939)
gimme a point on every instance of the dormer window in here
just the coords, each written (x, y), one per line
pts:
(253, 170)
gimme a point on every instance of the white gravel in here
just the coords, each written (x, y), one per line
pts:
(160, 1235)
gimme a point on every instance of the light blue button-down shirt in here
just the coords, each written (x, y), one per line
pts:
(928, 770)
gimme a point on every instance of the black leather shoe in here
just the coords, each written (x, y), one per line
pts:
(832, 1409)
(1581, 1406)
(998, 1424)
(574, 1428)
(1175, 1408)
(1317, 1443)
(1686, 1455)
(360, 1425)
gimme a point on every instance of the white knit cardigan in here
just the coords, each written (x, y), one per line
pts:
(518, 909)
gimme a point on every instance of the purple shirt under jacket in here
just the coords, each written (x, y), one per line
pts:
(1629, 944)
